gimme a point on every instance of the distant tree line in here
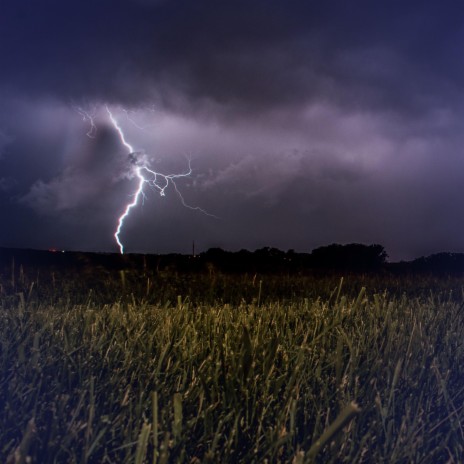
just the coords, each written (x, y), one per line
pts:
(438, 263)
(353, 257)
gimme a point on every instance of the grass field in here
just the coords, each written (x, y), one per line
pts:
(103, 366)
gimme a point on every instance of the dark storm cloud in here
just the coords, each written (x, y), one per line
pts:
(308, 122)
(174, 51)
(240, 54)
(94, 171)
(5, 140)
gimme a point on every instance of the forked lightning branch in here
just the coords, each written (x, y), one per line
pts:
(139, 166)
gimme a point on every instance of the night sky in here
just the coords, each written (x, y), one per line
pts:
(306, 123)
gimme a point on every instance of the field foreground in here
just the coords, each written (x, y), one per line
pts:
(158, 367)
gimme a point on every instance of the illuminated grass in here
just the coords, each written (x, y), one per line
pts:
(339, 378)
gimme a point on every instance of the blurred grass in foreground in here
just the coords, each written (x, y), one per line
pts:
(165, 367)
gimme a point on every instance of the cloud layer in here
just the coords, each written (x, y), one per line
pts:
(306, 122)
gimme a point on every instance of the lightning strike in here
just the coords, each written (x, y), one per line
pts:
(136, 124)
(119, 130)
(155, 180)
(137, 195)
(86, 116)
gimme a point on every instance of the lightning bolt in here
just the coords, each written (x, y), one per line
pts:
(139, 169)
(156, 180)
(137, 195)
(136, 124)
(86, 116)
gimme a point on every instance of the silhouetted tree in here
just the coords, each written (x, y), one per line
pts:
(355, 256)
(451, 263)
